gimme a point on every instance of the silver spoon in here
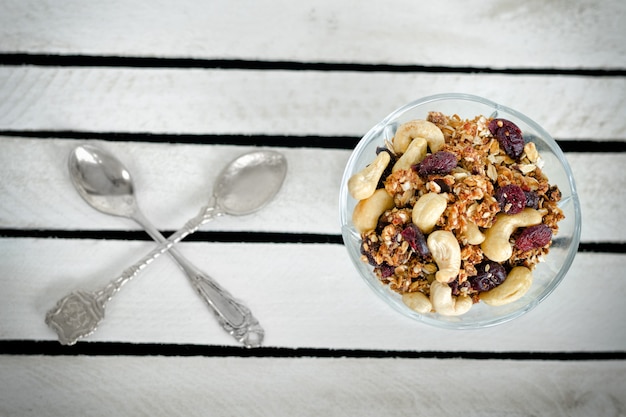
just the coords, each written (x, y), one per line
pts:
(244, 186)
(104, 183)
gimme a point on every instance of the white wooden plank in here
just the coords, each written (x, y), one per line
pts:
(276, 102)
(304, 295)
(174, 181)
(602, 205)
(197, 386)
(496, 33)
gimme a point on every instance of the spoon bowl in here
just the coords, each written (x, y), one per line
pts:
(244, 186)
(250, 182)
(102, 181)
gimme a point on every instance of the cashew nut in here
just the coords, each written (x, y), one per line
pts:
(427, 210)
(472, 234)
(446, 304)
(496, 245)
(363, 184)
(413, 154)
(516, 284)
(417, 301)
(367, 211)
(418, 128)
(446, 253)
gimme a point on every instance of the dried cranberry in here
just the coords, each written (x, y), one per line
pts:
(511, 198)
(416, 239)
(386, 270)
(456, 287)
(532, 199)
(489, 275)
(439, 163)
(533, 237)
(509, 136)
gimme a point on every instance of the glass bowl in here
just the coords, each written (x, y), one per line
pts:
(546, 276)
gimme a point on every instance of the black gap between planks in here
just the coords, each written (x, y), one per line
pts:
(85, 348)
(285, 141)
(239, 237)
(68, 60)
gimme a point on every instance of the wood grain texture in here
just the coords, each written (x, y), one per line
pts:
(305, 295)
(55, 386)
(174, 181)
(287, 102)
(494, 34)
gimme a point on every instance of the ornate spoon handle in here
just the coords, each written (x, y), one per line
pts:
(232, 315)
(78, 314)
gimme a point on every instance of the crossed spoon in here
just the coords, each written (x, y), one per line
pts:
(248, 183)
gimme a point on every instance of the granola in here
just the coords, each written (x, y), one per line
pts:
(471, 189)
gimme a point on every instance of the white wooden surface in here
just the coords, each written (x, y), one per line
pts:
(312, 300)
(277, 102)
(306, 295)
(310, 387)
(494, 33)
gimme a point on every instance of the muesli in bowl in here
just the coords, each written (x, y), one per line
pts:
(460, 212)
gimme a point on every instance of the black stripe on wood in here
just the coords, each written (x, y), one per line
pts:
(238, 237)
(85, 348)
(285, 141)
(256, 65)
